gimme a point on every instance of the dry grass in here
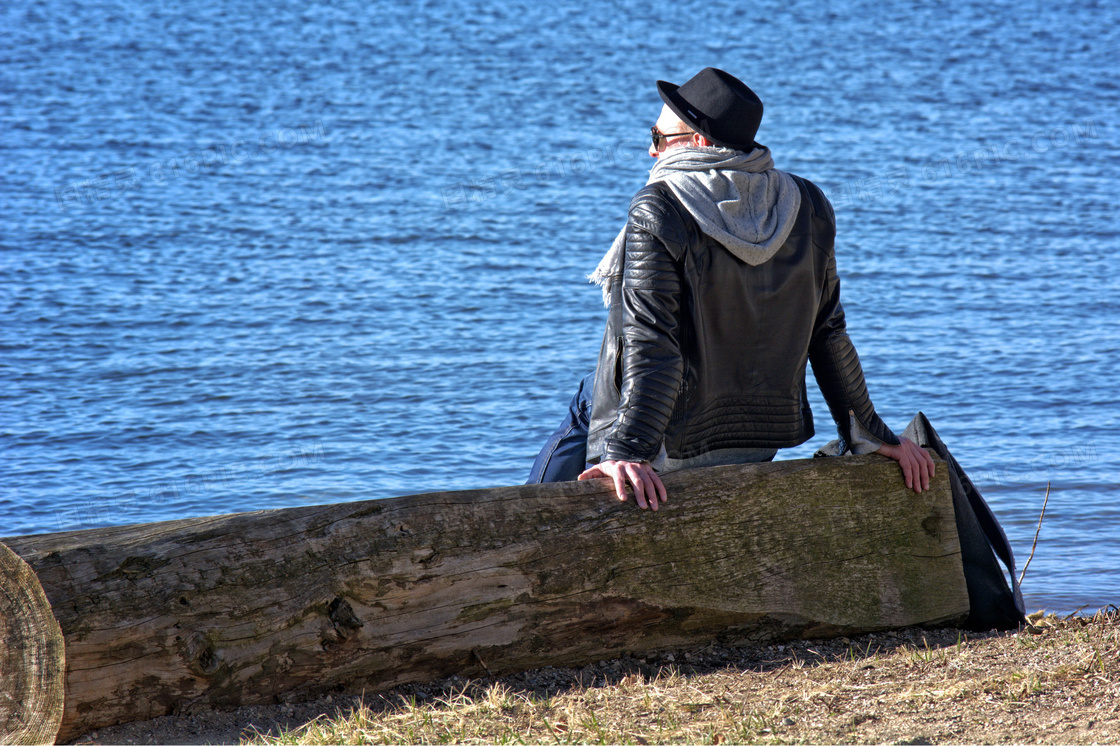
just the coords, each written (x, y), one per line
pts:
(1056, 682)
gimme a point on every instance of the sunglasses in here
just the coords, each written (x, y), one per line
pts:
(659, 139)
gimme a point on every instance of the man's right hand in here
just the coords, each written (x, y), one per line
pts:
(917, 465)
(648, 488)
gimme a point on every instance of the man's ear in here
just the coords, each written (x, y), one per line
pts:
(702, 141)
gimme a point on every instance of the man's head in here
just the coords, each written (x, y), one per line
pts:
(671, 131)
(716, 105)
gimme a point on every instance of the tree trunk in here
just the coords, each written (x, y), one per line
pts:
(238, 609)
(32, 663)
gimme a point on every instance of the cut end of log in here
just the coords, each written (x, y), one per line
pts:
(32, 658)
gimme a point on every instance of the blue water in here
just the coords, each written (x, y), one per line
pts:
(258, 255)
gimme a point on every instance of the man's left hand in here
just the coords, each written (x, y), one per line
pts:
(917, 465)
(648, 489)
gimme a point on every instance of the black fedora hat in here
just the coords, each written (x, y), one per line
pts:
(717, 105)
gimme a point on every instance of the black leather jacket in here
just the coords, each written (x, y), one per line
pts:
(705, 351)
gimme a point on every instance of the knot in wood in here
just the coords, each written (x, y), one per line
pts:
(342, 615)
(201, 656)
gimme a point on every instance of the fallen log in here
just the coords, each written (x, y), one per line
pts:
(239, 609)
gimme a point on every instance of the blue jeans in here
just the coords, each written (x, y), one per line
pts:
(564, 456)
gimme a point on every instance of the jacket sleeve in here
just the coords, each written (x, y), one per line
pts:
(652, 364)
(835, 362)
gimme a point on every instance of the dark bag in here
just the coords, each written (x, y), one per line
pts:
(992, 604)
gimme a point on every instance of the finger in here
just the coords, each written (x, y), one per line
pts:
(916, 472)
(593, 473)
(921, 466)
(625, 473)
(907, 471)
(635, 476)
(619, 485)
(659, 486)
(650, 488)
(642, 473)
(916, 468)
(906, 462)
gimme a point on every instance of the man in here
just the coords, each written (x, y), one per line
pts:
(721, 286)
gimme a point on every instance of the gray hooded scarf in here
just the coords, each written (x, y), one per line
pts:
(739, 199)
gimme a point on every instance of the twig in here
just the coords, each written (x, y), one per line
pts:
(488, 672)
(1075, 612)
(1036, 531)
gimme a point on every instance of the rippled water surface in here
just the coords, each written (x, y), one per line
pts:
(257, 255)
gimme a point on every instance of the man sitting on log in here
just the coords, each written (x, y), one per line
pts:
(721, 286)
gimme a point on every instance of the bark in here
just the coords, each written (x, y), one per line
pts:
(239, 609)
(32, 663)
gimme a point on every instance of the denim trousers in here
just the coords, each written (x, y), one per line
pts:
(564, 455)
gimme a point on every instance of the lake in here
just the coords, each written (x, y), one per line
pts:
(258, 255)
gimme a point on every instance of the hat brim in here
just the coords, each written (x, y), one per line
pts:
(680, 107)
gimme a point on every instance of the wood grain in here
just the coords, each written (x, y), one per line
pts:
(32, 658)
